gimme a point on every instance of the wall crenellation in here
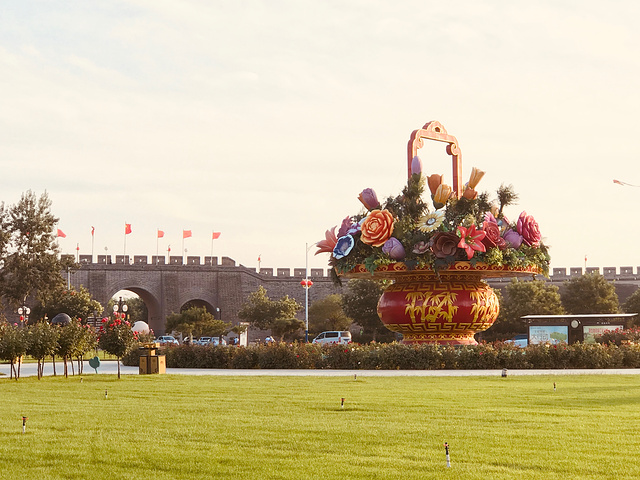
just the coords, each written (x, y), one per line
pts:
(557, 273)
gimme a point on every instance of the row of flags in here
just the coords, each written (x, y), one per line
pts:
(128, 230)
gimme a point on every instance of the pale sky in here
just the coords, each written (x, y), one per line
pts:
(265, 119)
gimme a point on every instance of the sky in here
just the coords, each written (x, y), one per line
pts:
(263, 120)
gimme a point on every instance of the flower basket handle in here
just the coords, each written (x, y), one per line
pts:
(435, 131)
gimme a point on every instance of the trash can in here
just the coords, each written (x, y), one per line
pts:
(149, 361)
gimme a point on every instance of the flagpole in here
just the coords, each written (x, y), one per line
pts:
(92, 242)
(157, 244)
(212, 248)
(124, 254)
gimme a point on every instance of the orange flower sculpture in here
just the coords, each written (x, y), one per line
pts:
(377, 228)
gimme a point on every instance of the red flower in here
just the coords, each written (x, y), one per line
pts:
(471, 240)
(492, 231)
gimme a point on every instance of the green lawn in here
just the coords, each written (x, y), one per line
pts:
(188, 427)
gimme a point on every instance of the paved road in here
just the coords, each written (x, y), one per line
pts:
(110, 367)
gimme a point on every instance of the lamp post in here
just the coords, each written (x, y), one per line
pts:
(24, 312)
(120, 307)
(306, 284)
(218, 313)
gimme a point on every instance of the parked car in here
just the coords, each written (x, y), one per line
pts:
(519, 340)
(166, 340)
(333, 337)
(212, 341)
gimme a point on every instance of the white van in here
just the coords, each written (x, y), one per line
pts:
(333, 337)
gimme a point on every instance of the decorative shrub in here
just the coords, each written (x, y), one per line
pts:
(395, 356)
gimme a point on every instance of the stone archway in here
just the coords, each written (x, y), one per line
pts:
(155, 318)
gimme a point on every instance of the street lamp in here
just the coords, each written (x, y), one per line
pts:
(24, 312)
(120, 307)
(306, 284)
(218, 313)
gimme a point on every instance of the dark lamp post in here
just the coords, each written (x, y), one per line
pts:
(120, 308)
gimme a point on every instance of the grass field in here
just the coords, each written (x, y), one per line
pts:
(187, 427)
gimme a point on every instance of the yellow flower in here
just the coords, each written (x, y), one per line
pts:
(441, 196)
(474, 179)
(430, 221)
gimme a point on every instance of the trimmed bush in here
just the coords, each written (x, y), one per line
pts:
(396, 356)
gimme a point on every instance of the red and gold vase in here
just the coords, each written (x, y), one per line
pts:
(445, 309)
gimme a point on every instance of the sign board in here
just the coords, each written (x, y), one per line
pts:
(591, 331)
(552, 334)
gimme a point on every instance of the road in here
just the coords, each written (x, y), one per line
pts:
(109, 367)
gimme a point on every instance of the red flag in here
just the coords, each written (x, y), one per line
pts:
(216, 235)
(160, 234)
(186, 233)
(61, 234)
(618, 182)
(93, 231)
(127, 228)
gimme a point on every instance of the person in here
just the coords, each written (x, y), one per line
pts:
(269, 340)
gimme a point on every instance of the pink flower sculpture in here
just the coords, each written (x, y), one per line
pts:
(329, 243)
(528, 228)
(471, 240)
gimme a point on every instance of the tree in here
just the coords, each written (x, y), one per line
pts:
(75, 303)
(328, 314)
(116, 337)
(29, 263)
(13, 345)
(196, 321)
(267, 314)
(360, 302)
(75, 340)
(521, 298)
(42, 342)
(632, 305)
(589, 293)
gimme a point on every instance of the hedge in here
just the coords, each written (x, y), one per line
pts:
(396, 356)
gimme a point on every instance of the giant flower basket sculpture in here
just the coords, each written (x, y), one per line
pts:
(437, 253)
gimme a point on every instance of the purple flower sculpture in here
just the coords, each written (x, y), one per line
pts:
(369, 199)
(343, 247)
(513, 238)
(394, 249)
(416, 166)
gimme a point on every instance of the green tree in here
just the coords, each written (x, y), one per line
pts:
(632, 305)
(328, 314)
(76, 339)
(116, 337)
(360, 302)
(589, 293)
(42, 342)
(267, 314)
(13, 345)
(196, 321)
(522, 298)
(29, 253)
(75, 303)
